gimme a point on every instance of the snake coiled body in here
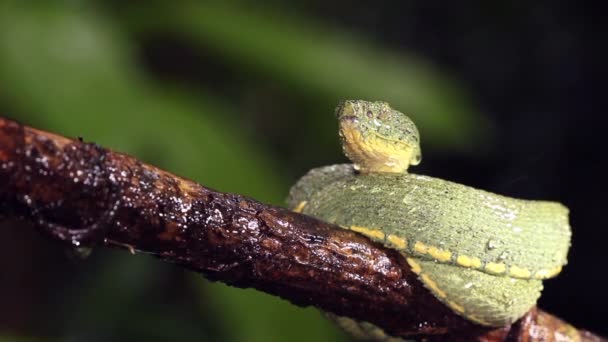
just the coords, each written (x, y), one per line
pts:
(484, 255)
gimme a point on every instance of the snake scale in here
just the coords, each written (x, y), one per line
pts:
(483, 255)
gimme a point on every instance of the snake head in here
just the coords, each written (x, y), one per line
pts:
(377, 138)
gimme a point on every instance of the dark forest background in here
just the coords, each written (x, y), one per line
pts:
(239, 96)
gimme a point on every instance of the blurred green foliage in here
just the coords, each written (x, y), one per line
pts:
(77, 68)
(8, 338)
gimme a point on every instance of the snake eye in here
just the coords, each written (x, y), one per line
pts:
(370, 114)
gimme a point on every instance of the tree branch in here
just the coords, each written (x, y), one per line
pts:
(82, 194)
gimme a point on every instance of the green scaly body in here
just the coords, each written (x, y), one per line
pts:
(482, 254)
(455, 218)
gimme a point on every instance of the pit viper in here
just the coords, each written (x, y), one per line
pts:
(482, 254)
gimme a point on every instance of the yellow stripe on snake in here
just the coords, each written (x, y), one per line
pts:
(484, 255)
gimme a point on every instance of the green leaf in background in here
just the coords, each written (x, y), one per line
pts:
(315, 58)
(278, 323)
(72, 74)
(63, 65)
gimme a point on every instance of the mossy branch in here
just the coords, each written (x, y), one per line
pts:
(82, 194)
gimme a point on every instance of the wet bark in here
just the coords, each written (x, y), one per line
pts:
(84, 195)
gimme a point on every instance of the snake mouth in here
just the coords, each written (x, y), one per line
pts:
(371, 151)
(363, 139)
(346, 112)
(350, 129)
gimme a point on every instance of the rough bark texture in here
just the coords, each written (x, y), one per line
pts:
(82, 194)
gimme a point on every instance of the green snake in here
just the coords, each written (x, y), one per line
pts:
(483, 255)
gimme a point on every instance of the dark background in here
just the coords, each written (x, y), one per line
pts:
(240, 97)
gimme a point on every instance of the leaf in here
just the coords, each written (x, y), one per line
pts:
(70, 71)
(311, 57)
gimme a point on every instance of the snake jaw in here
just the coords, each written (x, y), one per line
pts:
(370, 152)
(377, 138)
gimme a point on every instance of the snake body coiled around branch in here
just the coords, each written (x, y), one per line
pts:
(484, 255)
